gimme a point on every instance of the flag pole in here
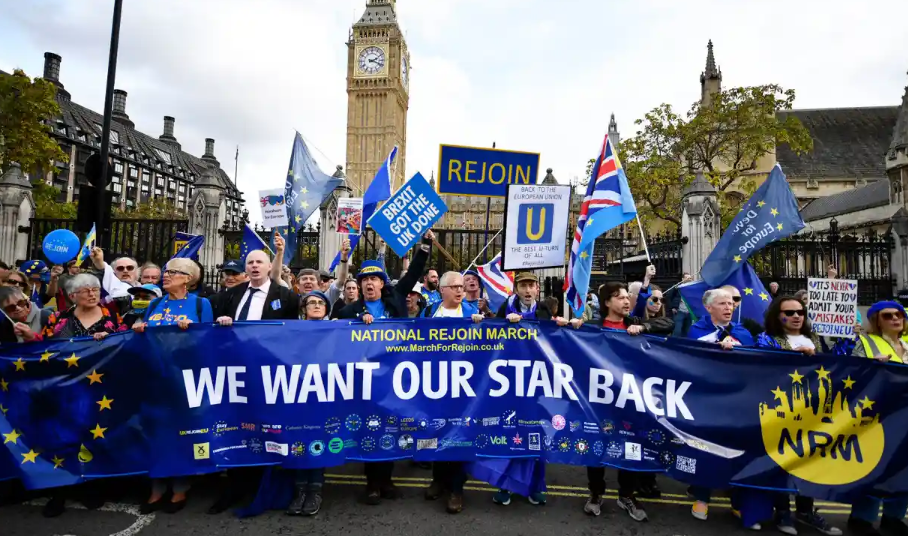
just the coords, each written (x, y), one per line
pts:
(643, 239)
(488, 243)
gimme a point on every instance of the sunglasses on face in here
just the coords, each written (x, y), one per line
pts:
(172, 273)
(736, 299)
(793, 312)
(15, 283)
(891, 316)
(455, 288)
(655, 299)
(11, 308)
(125, 268)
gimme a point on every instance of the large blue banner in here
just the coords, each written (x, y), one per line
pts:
(171, 402)
(485, 172)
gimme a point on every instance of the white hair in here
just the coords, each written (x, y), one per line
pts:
(446, 278)
(81, 281)
(118, 259)
(148, 266)
(710, 295)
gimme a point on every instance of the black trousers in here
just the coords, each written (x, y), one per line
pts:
(243, 481)
(627, 482)
(450, 474)
(378, 474)
(804, 505)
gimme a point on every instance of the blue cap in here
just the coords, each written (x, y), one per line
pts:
(233, 266)
(322, 296)
(372, 268)
(147, 287)
(33, 267)
(879, 306)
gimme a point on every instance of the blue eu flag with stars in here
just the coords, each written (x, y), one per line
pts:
(251, 242)
(770, 214)
(306, 189)
(755, 299)
(191, 247)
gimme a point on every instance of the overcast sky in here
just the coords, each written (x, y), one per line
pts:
(523, 73)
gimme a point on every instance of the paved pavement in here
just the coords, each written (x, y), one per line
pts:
(343, 515)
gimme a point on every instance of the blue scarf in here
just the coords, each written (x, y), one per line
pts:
(513, 307)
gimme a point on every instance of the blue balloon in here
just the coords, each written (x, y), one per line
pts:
(61, 246)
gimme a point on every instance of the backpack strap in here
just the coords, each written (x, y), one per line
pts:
(198, 307)
(151, 306)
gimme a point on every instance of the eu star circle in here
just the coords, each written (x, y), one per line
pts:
(392, 420)
(581, 446)
(368, 444)
(386, 442)
(656, 437)
(598, 447)
(423, 423)
(509, 418)
(255, 445)
(218, 428)
(298, 449)
(667, 458)
(332, 425)
(353, 422)
(482, 441)
(564, 444)
(373, 423)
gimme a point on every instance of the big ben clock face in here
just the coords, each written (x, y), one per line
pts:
(371, 60)
(405, 71)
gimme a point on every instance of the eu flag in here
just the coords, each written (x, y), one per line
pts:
(755, 299)
(87, 245)
(190, 249)
(770, 214)
(379, 190)
(306, 189)
(608, 203)
(251, 242)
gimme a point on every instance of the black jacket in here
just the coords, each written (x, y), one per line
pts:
(659, 325)
(394, 300)
(542, 312)
(228, 302)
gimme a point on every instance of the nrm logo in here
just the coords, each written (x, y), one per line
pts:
(535, 222)
(817, 435)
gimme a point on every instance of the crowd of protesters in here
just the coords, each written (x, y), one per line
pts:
(102, 299)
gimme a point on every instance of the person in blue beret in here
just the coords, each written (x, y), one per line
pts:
(42, 284)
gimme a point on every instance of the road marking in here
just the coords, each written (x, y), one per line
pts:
(140, 523)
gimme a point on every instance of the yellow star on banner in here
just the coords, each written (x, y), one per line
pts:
(290, 172)
(778, 392)
(823, 373)
(11, 437)
(583, 254)
(304, 191)
(763, 296)
(20, 365)
(774, 212)
(867, 403)
(761, 203)
(98, 432)
(304, 204)
(167, 311)
(285, 232)
(737, 258)
(590, 221)
(30, 456)
(94, 377)
(58, 462)
(72, 361)
(105, 403)
(4, 385)
(779, 226)
(848, 382)
(748, 291)
(796, 377)
(3, 410)
(298, 218)
(45, 357)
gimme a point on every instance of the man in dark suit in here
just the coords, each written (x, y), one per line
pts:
(378, 300)
(259, 299)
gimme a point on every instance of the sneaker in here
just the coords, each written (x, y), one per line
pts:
(503, 497)
(455, 503)
(593, 505)
(296, 505)
(816, 521)
(313, 503)
(755, 526)
(860, 527)
(785, 523)
(893, 526)
(700, 510)
(372, 497)
(537, 499)
(632, 507)
(434, 490)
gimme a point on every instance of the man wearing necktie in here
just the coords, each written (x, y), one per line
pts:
(258, 299)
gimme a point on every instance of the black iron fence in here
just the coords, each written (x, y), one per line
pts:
(145, 240)
(863, 255)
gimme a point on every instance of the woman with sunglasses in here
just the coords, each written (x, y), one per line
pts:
(180, 308)
(787, 328)
(28, 319)
(87, 318)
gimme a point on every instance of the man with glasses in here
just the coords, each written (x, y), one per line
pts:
(28, 319)
(115, 280)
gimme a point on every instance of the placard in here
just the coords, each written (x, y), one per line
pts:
(350, 215)
(832, 306)
(408, 214)
(484, 172)
(535, 229)
(274, 208)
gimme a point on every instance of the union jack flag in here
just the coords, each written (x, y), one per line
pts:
(498, 284)
(607, 204)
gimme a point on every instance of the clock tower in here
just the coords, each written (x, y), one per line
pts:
(378, 82)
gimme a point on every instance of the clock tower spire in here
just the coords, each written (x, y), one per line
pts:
(378, 83)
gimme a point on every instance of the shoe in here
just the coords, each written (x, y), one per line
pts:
(700, 510)
(150, 508)
(785, 523)
(860, 527)
(372, 497)
(632, 507)
(593, 505)
(893, 526)
(537, 499)
(455, 503)
(313, 503)
(171, 507)
(503, 497)
(755, 526)
(92, 502)
(223, 503)
(434, 490)
(649, 491)
(817, 522)
(390, 492)
(54, 507)
(296, 505)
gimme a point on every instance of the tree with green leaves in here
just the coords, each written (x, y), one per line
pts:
(725, 138)
(25, 105)
(47, 202)
(159, 208)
